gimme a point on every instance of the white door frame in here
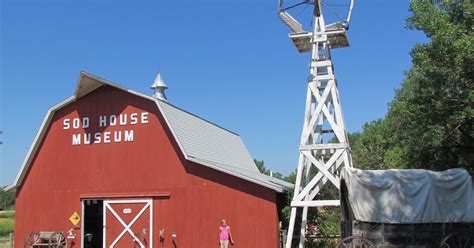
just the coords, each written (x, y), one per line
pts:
(83, 215)
(148, 205)
(82, 222)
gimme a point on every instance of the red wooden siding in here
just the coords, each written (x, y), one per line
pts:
(199, 196)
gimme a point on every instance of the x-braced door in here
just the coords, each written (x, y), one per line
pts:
(128, 223)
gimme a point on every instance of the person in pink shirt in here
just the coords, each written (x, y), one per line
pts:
(225, 237)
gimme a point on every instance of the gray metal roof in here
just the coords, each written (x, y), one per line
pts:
(200, 141)
(206, 141)
(208, 144)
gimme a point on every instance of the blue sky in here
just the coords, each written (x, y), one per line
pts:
(230, 62)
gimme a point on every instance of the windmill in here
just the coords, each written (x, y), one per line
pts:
(324, 147)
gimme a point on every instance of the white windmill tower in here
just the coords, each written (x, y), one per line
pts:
(324, 146)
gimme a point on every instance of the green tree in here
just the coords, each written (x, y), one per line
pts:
(7, 199)
(261, 166)
(431, 115)
(374, 148)
(429, 124)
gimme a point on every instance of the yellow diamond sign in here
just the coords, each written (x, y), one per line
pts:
(75, 218)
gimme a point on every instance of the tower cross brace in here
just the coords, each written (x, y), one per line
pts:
(323, 116)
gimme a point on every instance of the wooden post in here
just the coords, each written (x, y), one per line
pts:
(10, 240)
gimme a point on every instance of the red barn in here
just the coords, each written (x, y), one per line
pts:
(140, 172)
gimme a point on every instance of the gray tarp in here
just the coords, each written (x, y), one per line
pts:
(410, 196)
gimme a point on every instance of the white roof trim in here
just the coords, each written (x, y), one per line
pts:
(36, 142)
(82, 89)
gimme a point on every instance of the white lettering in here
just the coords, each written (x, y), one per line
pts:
(114, 136)
(97, 138)
(106, 137)
(85, 122)
(123, 119)
(128, 136)
(117, 136)
(113, 120)
(66, 124)
(76, 139)
(87, 139)
(103, 121)
(76, 123)
(133, 118)
(144, 117)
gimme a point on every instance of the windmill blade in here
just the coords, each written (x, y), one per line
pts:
(291, 22)
(349, 13)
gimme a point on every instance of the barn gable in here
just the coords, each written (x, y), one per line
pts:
(200, 141)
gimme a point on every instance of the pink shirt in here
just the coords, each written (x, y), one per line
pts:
(224, 232)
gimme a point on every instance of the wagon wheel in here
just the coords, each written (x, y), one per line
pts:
(32, 239)
(355, 242)
(458, 240)
(59, 239)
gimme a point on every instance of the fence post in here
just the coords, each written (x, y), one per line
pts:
(11, 240)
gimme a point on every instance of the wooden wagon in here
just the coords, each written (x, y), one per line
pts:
(407, 208)
(45, 239)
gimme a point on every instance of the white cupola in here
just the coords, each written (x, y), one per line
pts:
(159, 88)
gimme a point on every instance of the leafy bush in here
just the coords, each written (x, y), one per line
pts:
(7, 214)
(6, 226)
(7, 200)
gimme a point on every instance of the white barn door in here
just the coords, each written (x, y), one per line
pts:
(128, 223)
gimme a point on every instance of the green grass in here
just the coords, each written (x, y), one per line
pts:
(6, 226)
(7, 223)
(7, 214)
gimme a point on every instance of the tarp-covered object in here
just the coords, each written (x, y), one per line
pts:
(409, 196)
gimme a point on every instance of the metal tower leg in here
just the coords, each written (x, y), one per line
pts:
(323, 117)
